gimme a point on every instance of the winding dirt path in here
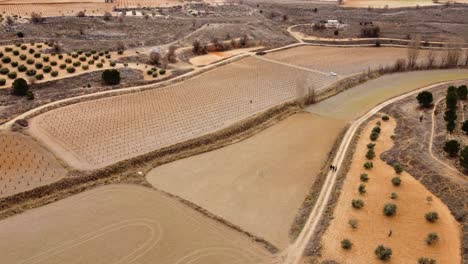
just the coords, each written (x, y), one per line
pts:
(294, 253)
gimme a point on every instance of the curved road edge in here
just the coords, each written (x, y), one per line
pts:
(294, 253)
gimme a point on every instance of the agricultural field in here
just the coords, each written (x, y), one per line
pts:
(24, 165)
(158, 228)
(37, 62)
(101, 132)
(395, 3)
(369, 226)
(354, 102)
(241, 182)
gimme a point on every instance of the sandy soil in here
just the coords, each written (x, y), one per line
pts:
(408, 226)
(341, 60)
(356, 101)
(395, 3)
(62, 73)
(101, 132)
(24, 165)
(213, 57)
(159, 228)
(241, 182)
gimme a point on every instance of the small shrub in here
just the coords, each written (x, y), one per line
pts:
(2, 81)
(76, 64)
(346, 244)
(82, 59)
(24, 47)
(149, 72)
(22, 68)
(68, 60)
(362, 188)
(14, 64)
(452, 147)
(96, 57)
(111, 77)
(374, 136)
(38, 65)
(108, 56)
(39, 76)
(19, 34)
(30, 61)
(16, 52)
(162, 71)
(31, 72)
(398, 168)
(22, 57)
(370, 146)
(364, 177)
(432, 238)
(74, 55)
(20, 87)
(389, 209)
(53, 63)
(85, 67)
(62, 66)
(368, 165)
(112, 63)
(12, 75)
(353, 223)
(396, 181)
(155, 75)
(393, 196)
(60, 56)
(71, 69)
(30, 95)
(120, 52)
(4, 71)
(6, 59)
(45, 58)
(91, 62)
(31, 51)
(54, 73)
(383, 253)
(357, 203)
(37, 55)
(1, 54)
(99, 65)
(432, 217)
(426, 261)
(47, 69)
(8, 49)
(370, 154)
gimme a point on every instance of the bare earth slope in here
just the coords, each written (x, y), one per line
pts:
(408, 226)
(259, 183)
(142, 225)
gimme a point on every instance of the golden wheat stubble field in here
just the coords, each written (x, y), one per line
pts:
(24, 165)
(343, 61)
(101, 132)
(260, 183)
(408, 226)
(160, 229)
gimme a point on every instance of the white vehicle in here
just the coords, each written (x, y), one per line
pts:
(333, 74)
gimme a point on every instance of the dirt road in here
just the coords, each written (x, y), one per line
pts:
(295, 251)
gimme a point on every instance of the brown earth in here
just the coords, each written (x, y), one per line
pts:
(407, 226)
(241, 182)
(159, 228)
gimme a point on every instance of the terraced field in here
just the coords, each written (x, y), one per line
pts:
(142, 224)
(342, 60)
(101, 132)
(24, 165)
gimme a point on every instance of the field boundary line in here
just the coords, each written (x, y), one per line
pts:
(291, 65)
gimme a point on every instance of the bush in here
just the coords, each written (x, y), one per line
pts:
(8, 49)
(450, 115)
(40, 76)
(451, 126)
(353, 223)
(31, 72)
(82, 58)
(71, 69)
(398, 168)
(53, 63)
(426, 261)
(4, 71)
(432, 238)
(54, 73)
(16, 52)
(370, 154)
(30, 95)
(91, 62)
(6, 59)
(149, 72)
(12, 75)
(22, 57)
(37, 55)
(20, 87)
(19, 34)
(155, 74)
(60, 56)
(45, 58)
(357, 203)
(451, 100)
(62, 66)
(364, 177)
(162, 71)
(31, 51)
(96, 57)
(462, 92)
(81, 14)
(346, 244)
(24, 47)
(396, 181)
(76, 63)
(389, 209)
(371, 146)
(374, 136)
(74, 55)
(465, 127)
(108, 56)
(2, 81)
(85, 67)
(14, 64)
(368, 165)
(68, 60)
(432, 217)
(111, 77)
(47, 69)
(425, 99)
(38, 65)
(393, 196)
(452, 147)
(464, 158)
(362, 188)
(99, 65)
(112, 63)
(383, 253)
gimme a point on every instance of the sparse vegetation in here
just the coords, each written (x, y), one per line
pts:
(364, 177)
(452, 147)
(368, 165)
(383, 253)
(432, 238)
(426, 261)
(357, 203)
(346, 244)
(353, 223)
(432, 217)
(396, 181)
(389, 209)
(398, 168)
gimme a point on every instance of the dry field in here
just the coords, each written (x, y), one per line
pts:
(157, 229)
(395, 3)
(354, 102)
(408, 226)
(101, 132)
(24, 165)
(341, 60)
(260, 183)
(28, 61)
(213, 57)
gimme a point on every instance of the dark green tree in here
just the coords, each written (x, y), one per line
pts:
(450, 115)
(425, 99)
(451, 126)
(462, 92)
(465, 127)
(111, 77)
(383, 253)
(464, 158)
(451, 100)
(452, 147)
(20, 87)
